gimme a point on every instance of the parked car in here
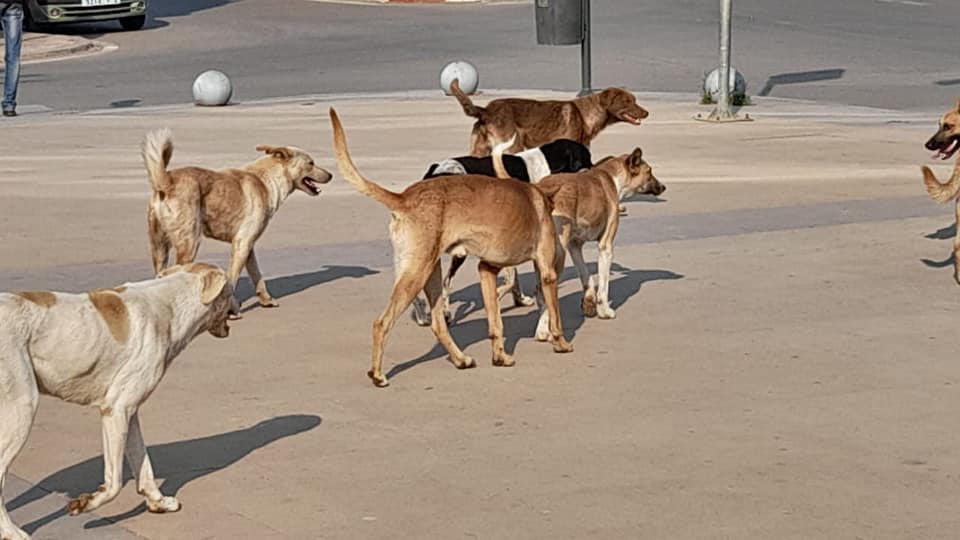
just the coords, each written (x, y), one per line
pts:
(132, 14)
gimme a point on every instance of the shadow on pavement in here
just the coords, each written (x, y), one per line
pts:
(624, 284)
(800, 77)
(178, 463)
(288, 285)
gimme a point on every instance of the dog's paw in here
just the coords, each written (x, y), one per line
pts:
(378, 379)
(956, 275)
(589, 305)
(561, 345)
(622, 210)
(421, 315)
(269, 303)
(79, 505)
(467, 362)
(503, 360)
(164, 505)
(606, 312)
(524, 300)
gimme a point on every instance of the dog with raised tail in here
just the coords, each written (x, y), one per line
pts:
(109, 349)
(945, 142)
(501, 223)
(230, 205)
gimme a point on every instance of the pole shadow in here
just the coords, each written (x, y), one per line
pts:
(945, 233)
(800, 77)
(288, 285)
(626, 284)
(178, 463)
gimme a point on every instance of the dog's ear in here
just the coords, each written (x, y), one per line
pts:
(635, 160)
(279, 152)
(214, 280)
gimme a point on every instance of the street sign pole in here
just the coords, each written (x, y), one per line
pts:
(585, 84)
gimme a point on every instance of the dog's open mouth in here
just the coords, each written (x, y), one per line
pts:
(948, 149)
(633, 119)
(313, 187)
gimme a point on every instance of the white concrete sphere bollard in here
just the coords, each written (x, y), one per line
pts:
(212, 88)
(467, 74)
(711, 84)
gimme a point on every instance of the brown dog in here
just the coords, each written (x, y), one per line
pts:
(501, 223)
(586, 209)
(231, 205)
(946, 142)
(539, 122)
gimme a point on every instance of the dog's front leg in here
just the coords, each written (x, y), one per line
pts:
(139, 462)
(116, 423)
(956, 244)
(605, 261)
(491, 301)
(260, 286)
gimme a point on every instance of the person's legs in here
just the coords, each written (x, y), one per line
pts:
(12, 21)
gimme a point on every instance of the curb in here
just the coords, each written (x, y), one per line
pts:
(434, 2)
(44, 47)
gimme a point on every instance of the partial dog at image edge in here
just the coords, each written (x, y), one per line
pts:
(536, 122)
(109, 349)
(501, 223)
(230, 205)
(945, 142)
(586, 209)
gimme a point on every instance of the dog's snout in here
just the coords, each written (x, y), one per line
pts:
(933, 143)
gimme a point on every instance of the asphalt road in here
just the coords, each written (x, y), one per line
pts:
(885, 53)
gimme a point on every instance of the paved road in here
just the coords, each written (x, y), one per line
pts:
(884, 53)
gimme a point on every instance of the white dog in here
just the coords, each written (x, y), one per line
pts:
(108, 349)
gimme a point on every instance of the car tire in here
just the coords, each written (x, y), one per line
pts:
(133, 23)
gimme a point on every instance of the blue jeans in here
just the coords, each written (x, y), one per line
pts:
(11, 17)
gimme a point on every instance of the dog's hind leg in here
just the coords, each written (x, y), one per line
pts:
(412, 270)
(589, 302)
(18, 404)
(549, 264)
(488, 284)
(159, 242)
(512, 284)
(604, 262)
(260, 286)
(433, 291)
(455, 263)
(115, 421)
(139, 463)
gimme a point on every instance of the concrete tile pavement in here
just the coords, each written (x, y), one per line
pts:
(781, 365)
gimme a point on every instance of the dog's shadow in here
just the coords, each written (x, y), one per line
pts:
(624, 284)
(289, 285)
(945, 233)
(178, 463)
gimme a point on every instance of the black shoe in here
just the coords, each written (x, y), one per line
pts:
(9, 112)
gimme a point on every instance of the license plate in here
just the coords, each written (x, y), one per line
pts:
(92, 3)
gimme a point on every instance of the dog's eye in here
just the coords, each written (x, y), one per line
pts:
(311, 163)
(947, 127)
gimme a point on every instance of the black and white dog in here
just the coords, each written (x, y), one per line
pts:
(560, 156)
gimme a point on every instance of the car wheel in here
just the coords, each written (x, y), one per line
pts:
(133, 23)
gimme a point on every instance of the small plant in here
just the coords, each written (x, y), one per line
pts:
(737, 100)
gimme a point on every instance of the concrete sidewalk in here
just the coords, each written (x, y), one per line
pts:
(782, 364)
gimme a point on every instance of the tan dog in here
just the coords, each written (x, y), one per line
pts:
(586, 209)
(108, 349)
(501, 223)
(231, 205)
(946, 142)
(536, 123)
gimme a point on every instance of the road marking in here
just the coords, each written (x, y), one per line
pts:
(914, 3)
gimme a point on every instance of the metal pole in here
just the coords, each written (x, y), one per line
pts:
(585, 85)
(723, 108)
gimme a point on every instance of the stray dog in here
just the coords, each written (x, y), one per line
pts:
(501, 223)
(531, 165)
(108, 349)
(538, 122)
(586, 209)
(945, 142)
(230, 205)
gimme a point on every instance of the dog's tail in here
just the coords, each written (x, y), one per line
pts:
(942, 192)
(391, 200)
(497, 157)
(157, 150)
(468, 107)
